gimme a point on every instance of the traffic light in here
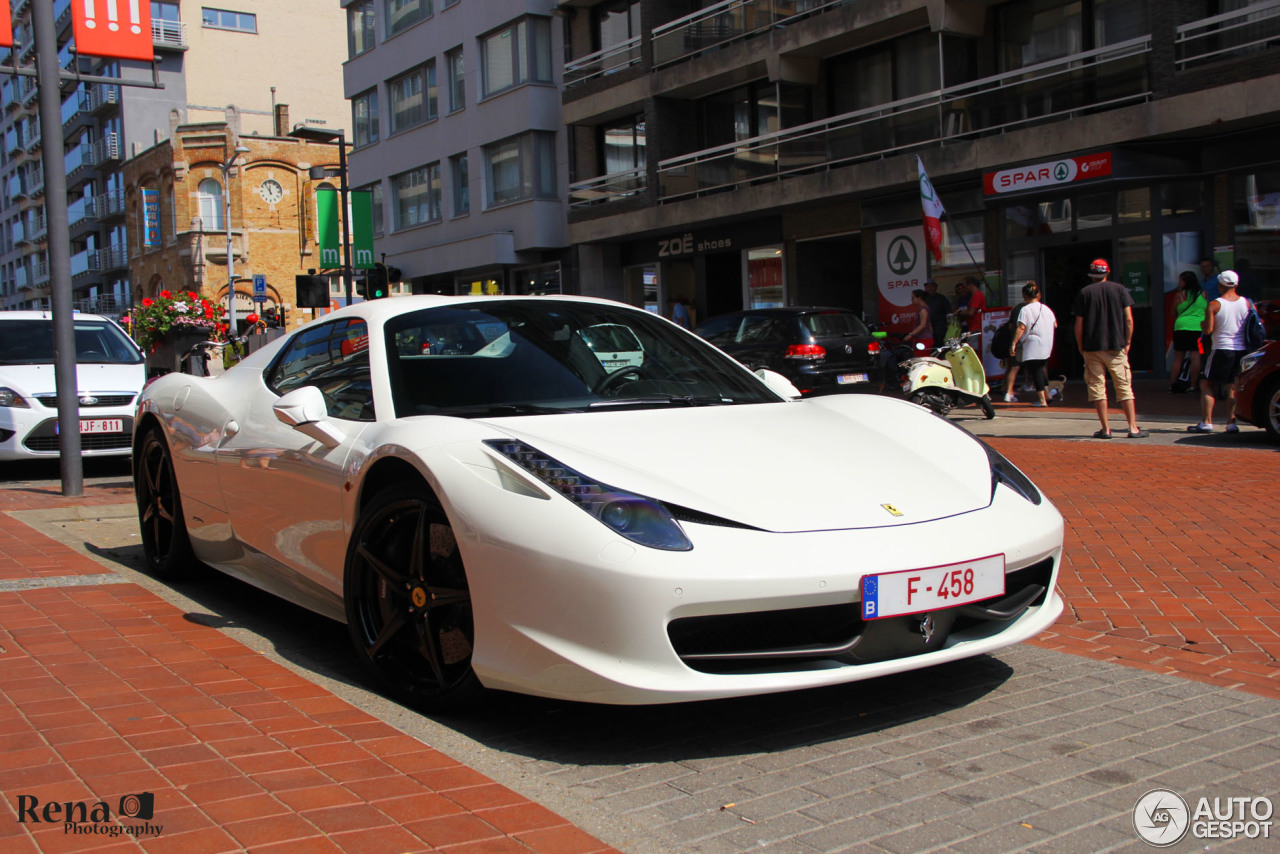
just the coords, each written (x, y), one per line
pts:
(376, 282)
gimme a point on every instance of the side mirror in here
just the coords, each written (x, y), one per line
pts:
(304, 410)
(778, 384)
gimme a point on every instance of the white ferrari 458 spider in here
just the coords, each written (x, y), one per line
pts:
(490, 499)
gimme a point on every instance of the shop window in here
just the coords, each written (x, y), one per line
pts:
(640, 287)
(538, 281)
(1256, 215)
(1180, 198)
(764, 279)
(1094, 211)
(1134, 204)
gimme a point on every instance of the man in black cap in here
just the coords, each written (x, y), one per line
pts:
(939, 307)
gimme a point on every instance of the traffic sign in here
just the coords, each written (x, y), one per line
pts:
(259, 288)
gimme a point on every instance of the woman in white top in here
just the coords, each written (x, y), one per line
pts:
(1224, 321)
(1035, 334)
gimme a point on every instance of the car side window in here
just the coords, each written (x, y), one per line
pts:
(721, 330)
(755, 329)
(333, 357)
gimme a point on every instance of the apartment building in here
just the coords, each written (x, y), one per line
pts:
(457, 133)
(253, 55)
(761, 152)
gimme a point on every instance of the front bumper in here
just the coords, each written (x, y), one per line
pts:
(565, 609)
(31, 433)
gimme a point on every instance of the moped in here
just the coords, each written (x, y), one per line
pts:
(947, 377)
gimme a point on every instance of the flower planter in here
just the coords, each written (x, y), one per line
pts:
(167, 356)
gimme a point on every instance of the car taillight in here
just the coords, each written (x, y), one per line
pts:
(806, 351)
(873, 348)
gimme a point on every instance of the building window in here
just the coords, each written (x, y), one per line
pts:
(359, 27)
(417, 196)
(161, 11)
(375, 191)
(522, 167)
(622, 146)
(616, 22)
(364, 117)
(461, 184)
(413, 97)
(516, 54)
(224, 19)
(402, 14)
(209, 194)
(457, 73)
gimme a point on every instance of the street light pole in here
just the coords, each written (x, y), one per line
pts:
(343, 191)
(231, 255)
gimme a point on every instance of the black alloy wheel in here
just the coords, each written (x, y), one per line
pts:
(408, 604)
(165, 543)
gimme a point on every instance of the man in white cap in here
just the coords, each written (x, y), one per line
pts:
(1224, 321)
(1104, 334)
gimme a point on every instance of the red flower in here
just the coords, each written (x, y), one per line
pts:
(192, 295)
(146, 302)
(165, 295)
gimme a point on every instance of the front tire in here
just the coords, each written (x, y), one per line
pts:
(408, 604)
(165, 543)
(987, 409)
(1271, 410)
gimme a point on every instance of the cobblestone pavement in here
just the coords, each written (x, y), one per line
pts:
(1163, 673)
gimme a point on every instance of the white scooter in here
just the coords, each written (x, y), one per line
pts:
(951, 376)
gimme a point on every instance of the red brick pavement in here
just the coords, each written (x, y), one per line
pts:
(1171, 559)
(107, 690)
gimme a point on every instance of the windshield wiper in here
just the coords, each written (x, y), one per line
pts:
(673, 399)
(499, 409)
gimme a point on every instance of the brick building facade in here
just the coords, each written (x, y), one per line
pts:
(272, 214)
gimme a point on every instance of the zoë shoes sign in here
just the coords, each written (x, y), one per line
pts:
(1048, 174)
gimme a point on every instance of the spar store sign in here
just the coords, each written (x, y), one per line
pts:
(900, 269)
(1048, 174)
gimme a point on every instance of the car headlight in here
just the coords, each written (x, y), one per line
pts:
(10, 398)
(1245, 364)
(639, 519)
(1003, 471)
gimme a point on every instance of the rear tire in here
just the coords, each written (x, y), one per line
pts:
(987, 409)
(165, 543)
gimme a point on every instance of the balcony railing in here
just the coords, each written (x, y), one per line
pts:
(1253, 28)
(111, 258)
(39, 270)
(33, 178)
(79, 211)
(108, 204)
(38, 229)
(99, 98)
(171, 34)
(607, 61)
(28, 91)
(1088, 82)
(106, 304)
(104, 150)
(725, 22)
(31, 138)
(75, 158)
(607, 188)
(84, 262)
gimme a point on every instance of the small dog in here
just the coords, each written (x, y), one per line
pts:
(1053, 391)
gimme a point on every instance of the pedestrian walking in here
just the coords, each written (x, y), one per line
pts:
(1104, 333)
(1224, 322)
(1034, 332)
(1014, 363)
(1188, 321)
(1208, 279)
(974, 308)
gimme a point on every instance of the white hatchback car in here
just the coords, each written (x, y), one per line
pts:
(110, 373)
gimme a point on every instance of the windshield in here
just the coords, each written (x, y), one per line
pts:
(540, 356)
(98, 342)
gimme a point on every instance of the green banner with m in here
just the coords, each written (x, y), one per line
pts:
(328, 229)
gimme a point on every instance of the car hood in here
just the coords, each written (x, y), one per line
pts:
(39, 379)
(821, 464)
